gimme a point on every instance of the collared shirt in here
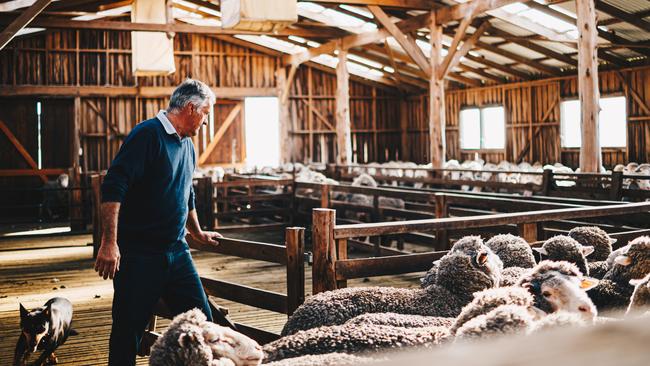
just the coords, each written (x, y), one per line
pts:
(167, 124)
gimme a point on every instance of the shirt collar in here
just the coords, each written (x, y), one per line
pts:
(167, 125)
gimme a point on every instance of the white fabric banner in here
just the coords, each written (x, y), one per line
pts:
(152, 52)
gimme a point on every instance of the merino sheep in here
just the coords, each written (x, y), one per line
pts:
(329, 359)
(511, 275)
(505, 319)
(614, 291)
(598, 269)
(564, 248)
(352, 338)
(559, 286)
(191, 340)
(469, 245)
(640, 300)
(513, 250)
(595, 237)
(459, 276)
(402, 320)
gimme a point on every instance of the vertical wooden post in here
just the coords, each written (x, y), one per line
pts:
(77, 221)
(285, 116)
(528, 231)
(295, 245)
(325, 195)
(436, 97)
(324, 250)
(547, 182)
(342, 253)
(616, 186)
(442, 211)
(404, 125)
(343, 142)
(590, 154)
(95, 184)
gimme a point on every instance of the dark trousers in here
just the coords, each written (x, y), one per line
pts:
(142, 280)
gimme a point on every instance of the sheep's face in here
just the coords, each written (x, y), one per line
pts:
(635, 263)
(490, 264)
(595, 237)
(555, 291)
(564, 248)
(641, 296)
(226, 343)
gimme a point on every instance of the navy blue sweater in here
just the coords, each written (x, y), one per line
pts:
(151, 176)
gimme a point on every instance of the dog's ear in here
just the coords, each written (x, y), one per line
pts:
(23, 311)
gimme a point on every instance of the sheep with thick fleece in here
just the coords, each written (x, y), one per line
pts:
(511, 275)
(505, 319)
(564, 248)
(595, 237)
(640, 300)
(402, 320)
(513, 250)
(469, 245)
(329, 359)
(459, 276)
(352, 338)
(191, 340)
(614, 290)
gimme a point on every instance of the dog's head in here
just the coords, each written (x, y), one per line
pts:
(35, 325)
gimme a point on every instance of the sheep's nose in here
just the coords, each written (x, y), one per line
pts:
(584, 308)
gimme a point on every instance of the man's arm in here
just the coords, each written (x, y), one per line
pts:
(108, 257)
(194, 228)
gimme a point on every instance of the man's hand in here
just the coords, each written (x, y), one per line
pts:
(108, 260)
(207, 237)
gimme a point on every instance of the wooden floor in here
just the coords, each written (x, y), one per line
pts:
(34, 270)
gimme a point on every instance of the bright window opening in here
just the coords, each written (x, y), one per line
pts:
(262, 121)
(482, 128)
(611, 119)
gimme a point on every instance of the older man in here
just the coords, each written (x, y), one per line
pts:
(147, 203)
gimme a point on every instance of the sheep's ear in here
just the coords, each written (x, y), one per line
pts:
(541, 250)
(635, 282)
(482, 258)
(587, 249)
(536, 312)
(46, 311)
(186, 339)
(587, 283)
(612, 241)
(23, 311)
(623, 260)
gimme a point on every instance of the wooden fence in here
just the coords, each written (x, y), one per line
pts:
(332, 268)
(609, 186)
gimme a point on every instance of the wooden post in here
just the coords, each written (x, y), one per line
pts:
(528, 231)
(436, 97)
(616, 186)
(342, 253)
(77, 221)
(324, 248)
(343, 142)
(547, 182)
(590, 154)
(404, 125)
(324, 195)
(442, 211)
(285, 116)
(95, 184)
(295, 245)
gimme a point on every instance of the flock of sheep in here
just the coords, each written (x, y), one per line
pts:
(477, 290)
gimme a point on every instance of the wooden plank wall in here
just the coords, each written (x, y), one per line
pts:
(533, 110)
(374, 115)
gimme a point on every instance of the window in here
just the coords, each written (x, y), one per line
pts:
(483, 128)
(612, 122)
(262, 120)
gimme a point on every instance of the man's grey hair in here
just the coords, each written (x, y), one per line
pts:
(191, 91)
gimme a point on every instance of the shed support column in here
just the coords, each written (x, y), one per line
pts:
(436, 98)
(343, 142)
(285, 116)
(590, 154)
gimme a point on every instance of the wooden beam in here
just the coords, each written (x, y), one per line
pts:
(454, 55)
(590, 153)
(483, 73)
(21, 21)
(56, 23)
(21, 149)
(343, 140)
(284, 117)
(635, 94)
(219, 134)
(287, 86)
(318, 114)
(31, 172)
(519, 58)
(436, 97)
(623, 15)
(458, 12)
(508, 69)
(533, 46)
(116, 91)
(356, 40)
(460, 33)
(404, 40)
(529, 142)
(407, 4)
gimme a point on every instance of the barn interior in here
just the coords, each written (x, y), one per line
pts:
(352, 142)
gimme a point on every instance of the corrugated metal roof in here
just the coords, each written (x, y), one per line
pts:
(522, 51)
